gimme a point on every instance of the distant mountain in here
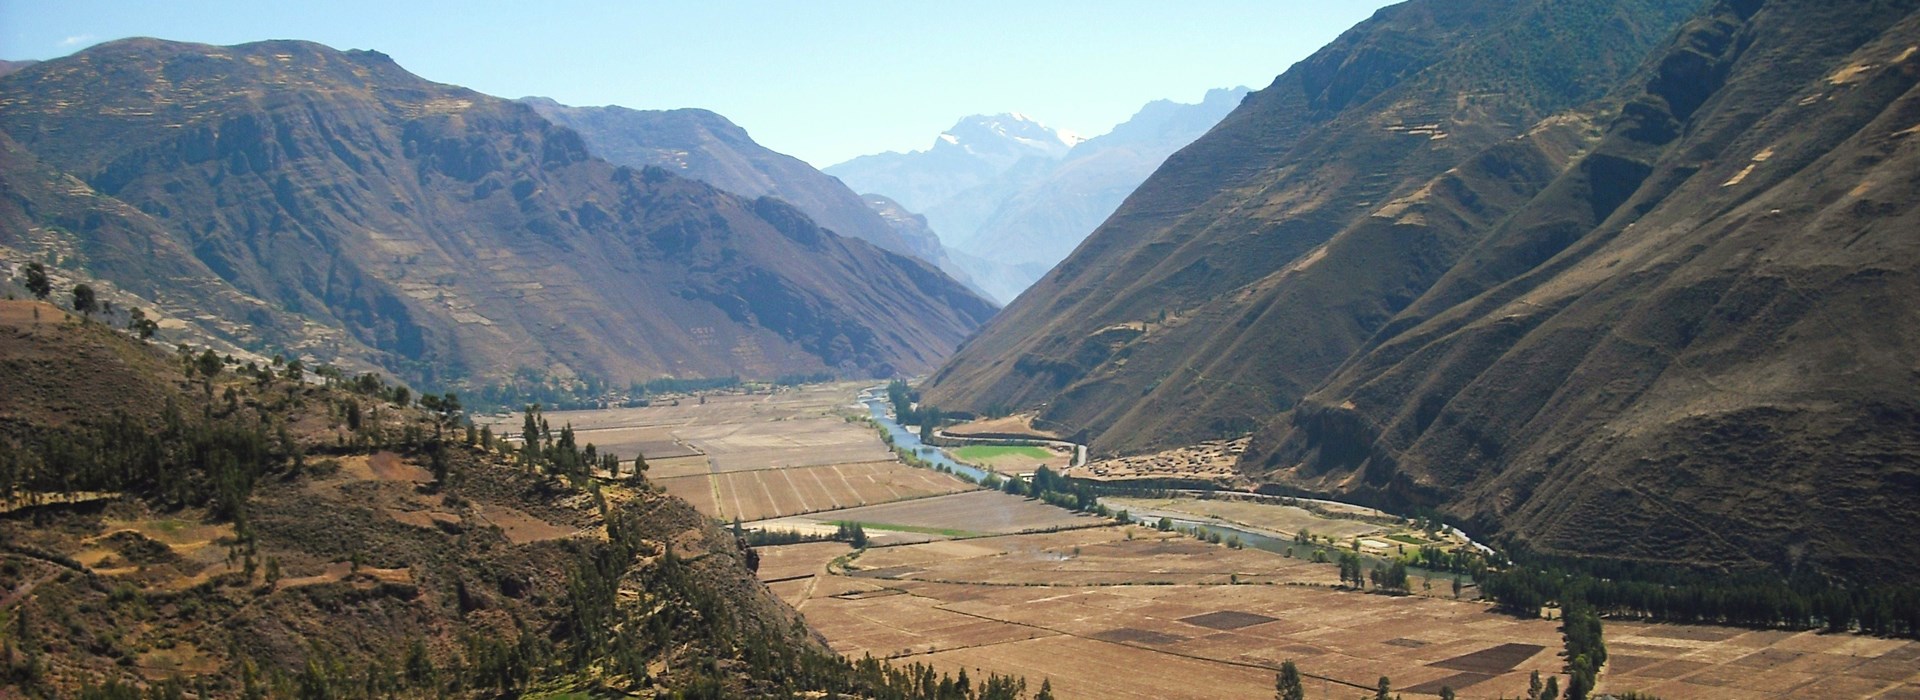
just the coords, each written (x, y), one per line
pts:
(1049, 213)
(1589, 285)
(977, 151)
(344, 207)
(11, 66)
(1018, 204)
(707, 147)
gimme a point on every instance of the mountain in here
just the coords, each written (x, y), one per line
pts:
(342, 207)
(707, 147)
(11, 66)
(1213, 298)
(1697, 343)
(231, 532)
(1014, 209)
(978, 151)
(1614, 280)
(1040, 222)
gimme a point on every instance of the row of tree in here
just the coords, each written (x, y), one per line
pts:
(1804, 602)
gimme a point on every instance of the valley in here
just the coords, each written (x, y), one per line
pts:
(1492, 344)
(985, 581)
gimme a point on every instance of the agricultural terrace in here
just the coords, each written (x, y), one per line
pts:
(1130, 612)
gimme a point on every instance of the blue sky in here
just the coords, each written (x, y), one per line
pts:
(824, 81)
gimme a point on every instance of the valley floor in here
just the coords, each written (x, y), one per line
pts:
(978, 580)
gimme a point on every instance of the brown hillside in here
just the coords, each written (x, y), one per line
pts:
(348, 565)
(1697, 345)
(452, 237)
(1255, 260)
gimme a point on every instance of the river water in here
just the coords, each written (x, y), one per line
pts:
(877, 406)
(876, 403)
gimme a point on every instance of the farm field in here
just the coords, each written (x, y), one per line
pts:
(969, 514)
(776, 492)
(1012, 458)
(1271, 517)
(1155, 616)
(758, 456)
(801, 442)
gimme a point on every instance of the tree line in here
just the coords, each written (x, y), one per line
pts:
(1802, 602)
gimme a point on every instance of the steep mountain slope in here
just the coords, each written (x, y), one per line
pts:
(978, 152)
(1047, 214)
(449, 236)
(1696, 345)
(295, 540)
(707, 147)
(1256, 260)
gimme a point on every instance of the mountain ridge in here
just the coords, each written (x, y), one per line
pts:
(420, 219)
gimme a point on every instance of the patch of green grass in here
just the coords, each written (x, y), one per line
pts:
(916, 529)
(1407, 539)
(972, 453)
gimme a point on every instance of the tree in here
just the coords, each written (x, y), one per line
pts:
(1533, 686)
(1446, 692)
(208, 364)
(142, 326)
(1384, 691)
(37, 281)
(1046, 690)
(1286, 683)
(84, 300)
(1552, 689)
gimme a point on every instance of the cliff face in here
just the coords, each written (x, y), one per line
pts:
(449, 236)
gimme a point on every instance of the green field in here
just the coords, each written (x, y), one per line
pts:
(984, 453)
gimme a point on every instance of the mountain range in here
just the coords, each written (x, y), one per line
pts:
(336, 206)
(1618, 280)
(1009, 203)
(705, 146)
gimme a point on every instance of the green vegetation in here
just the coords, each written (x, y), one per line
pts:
(1286, 683)
(37, 281)
(981, 453)
(858, 528)
(1756, 600)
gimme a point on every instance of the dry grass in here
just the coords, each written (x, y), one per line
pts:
(1104, 616)
(773, 493)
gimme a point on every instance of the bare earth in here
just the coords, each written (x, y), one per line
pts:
(758, 456)
(1156, 616)
(1207, 461)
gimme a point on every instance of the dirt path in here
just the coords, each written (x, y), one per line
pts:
(26, 589)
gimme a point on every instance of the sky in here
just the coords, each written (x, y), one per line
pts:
(823, 81)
